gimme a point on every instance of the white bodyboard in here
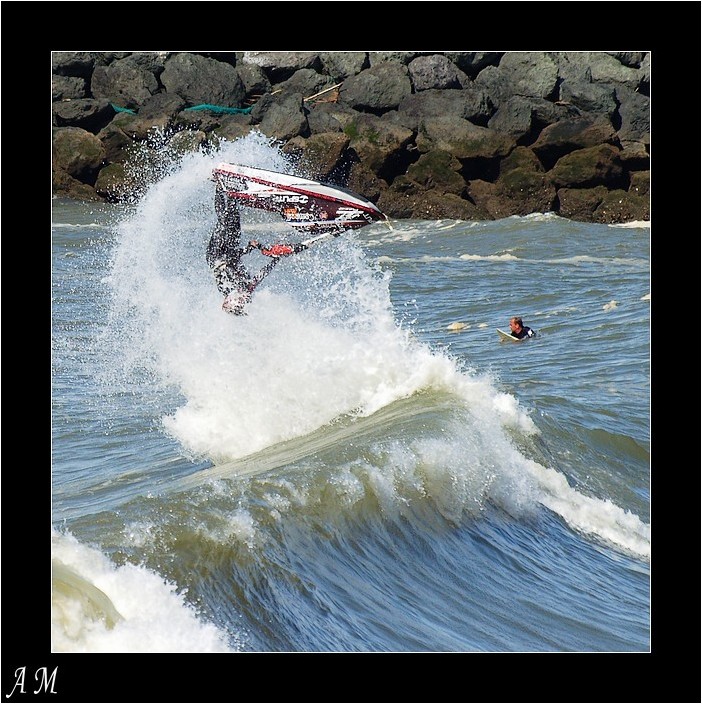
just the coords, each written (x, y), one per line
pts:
(507, 337)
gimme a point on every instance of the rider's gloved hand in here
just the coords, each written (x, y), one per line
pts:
(278, 250)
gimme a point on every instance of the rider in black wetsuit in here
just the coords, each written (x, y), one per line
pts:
(519, 330)
(224, 255)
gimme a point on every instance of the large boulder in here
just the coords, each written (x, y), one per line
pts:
(321, 155)
(306, 81)
(231, 128)
(380, 88)
(406, 198)
(471, 103)
(199, 80)
(620, 206)
(328, 117)
(580, 203)
(433, 205)
(362, 180)
(594, 98)
(88, 114)
(114, 183)
(117, 143)
(285, 118)
(398, 57)
(531, 74)
(127, 83)
(462, 138)
(569, 135)
(640, 184)
(280, 65)
(380, 144)
(634, 59)
(438, 170)
(339, 65)
(520, 190)
(525, 191)
(521, 158)
(586, 168)
(77, 152)
(523, 185)
(65, 186)
(435, 71)
(487, 200)
(138, 128)
(255, 82)
(635, 157)
(68, 88)
(473, 62)
(162, 104)
(524, 117)
(635, 114)
(606, 68)
(82, 63)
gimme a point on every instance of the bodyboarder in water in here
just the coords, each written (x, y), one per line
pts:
(519, 330)
(224, 255)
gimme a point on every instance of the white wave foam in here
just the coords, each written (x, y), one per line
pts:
(645, 224)
(408, 230)
(506, 257)
(592, 516)
(98, 607)
(76, 226)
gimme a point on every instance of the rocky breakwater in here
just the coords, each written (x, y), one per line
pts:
(464, 135)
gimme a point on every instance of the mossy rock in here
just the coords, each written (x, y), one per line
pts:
(586, 168)
(438, 169)
(620, 206)
(580, 203)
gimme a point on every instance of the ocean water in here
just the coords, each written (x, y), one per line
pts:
(359, 465)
